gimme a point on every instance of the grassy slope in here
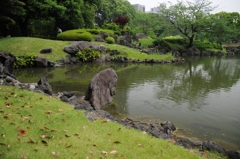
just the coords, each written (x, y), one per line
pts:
(20, 46)
(37, 126)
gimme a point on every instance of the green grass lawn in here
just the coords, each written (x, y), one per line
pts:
(37, 126)
(20, 46)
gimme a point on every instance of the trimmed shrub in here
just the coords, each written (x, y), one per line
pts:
(75, 35)
(110, 40)
(206, 45)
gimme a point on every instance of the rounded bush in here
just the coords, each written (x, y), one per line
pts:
(110, 40)
(75, 36)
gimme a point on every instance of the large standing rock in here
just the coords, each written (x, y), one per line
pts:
(193, 51)
(6, 63)
(101, 88)
(45, 86)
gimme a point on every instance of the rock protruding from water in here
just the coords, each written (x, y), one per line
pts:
(45, 86)
(101, 88)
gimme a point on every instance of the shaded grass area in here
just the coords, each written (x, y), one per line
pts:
(37, 126)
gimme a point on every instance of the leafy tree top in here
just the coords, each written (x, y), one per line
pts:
(121, 21)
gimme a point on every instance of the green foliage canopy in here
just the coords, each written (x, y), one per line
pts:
(188, 18)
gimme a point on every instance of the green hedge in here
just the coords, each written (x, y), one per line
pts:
(75, 35)
(206, 45)
(98, 31)
(110, 40)
(82, 34)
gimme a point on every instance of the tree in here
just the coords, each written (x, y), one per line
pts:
(35, 9)
(110, 9)
(148, 23)
(188, 18)
(9, 9)
(72, 17)
(121, 21)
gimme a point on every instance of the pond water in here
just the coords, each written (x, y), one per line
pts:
(200, 96)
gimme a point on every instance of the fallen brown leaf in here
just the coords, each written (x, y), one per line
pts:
(43, 136)
(104, 153)
(22, 157)
(31, 141)
(22, 132)
(68, 146)
(140, 145)
(25, 118)
(48, 112)
(117, 142)
(6, 117)
(3, 144)
(91, 153)
(8, 105)
(54, 154)
(67, 135)
(114, 152)
(44, 142)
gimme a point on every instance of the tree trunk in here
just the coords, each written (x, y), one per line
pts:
(23, 25)
(191, 41)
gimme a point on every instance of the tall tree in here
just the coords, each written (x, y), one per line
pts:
(188, 18)
(72, 17)
(110, 9)
(35, 9)
(9, 9)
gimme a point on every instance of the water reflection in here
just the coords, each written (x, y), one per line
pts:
(200, 96)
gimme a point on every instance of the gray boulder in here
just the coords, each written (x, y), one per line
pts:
(80, 45)
(7, 63)
(101, 88)
(44, 86)
(42, 62)
(46, 50)
(193, 51)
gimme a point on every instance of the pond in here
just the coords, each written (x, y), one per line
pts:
(200, 96)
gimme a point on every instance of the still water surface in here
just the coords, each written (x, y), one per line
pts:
(200, 96)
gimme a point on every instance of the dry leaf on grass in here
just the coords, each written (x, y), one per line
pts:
(117, 142)
(44, 142)
(114, 152)
(54, 154)
(140, 145)
(31, 141)
(25, 118)
(104, 153)
(48, 112)
(22, 132)
(68, 146)
(6, 117)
